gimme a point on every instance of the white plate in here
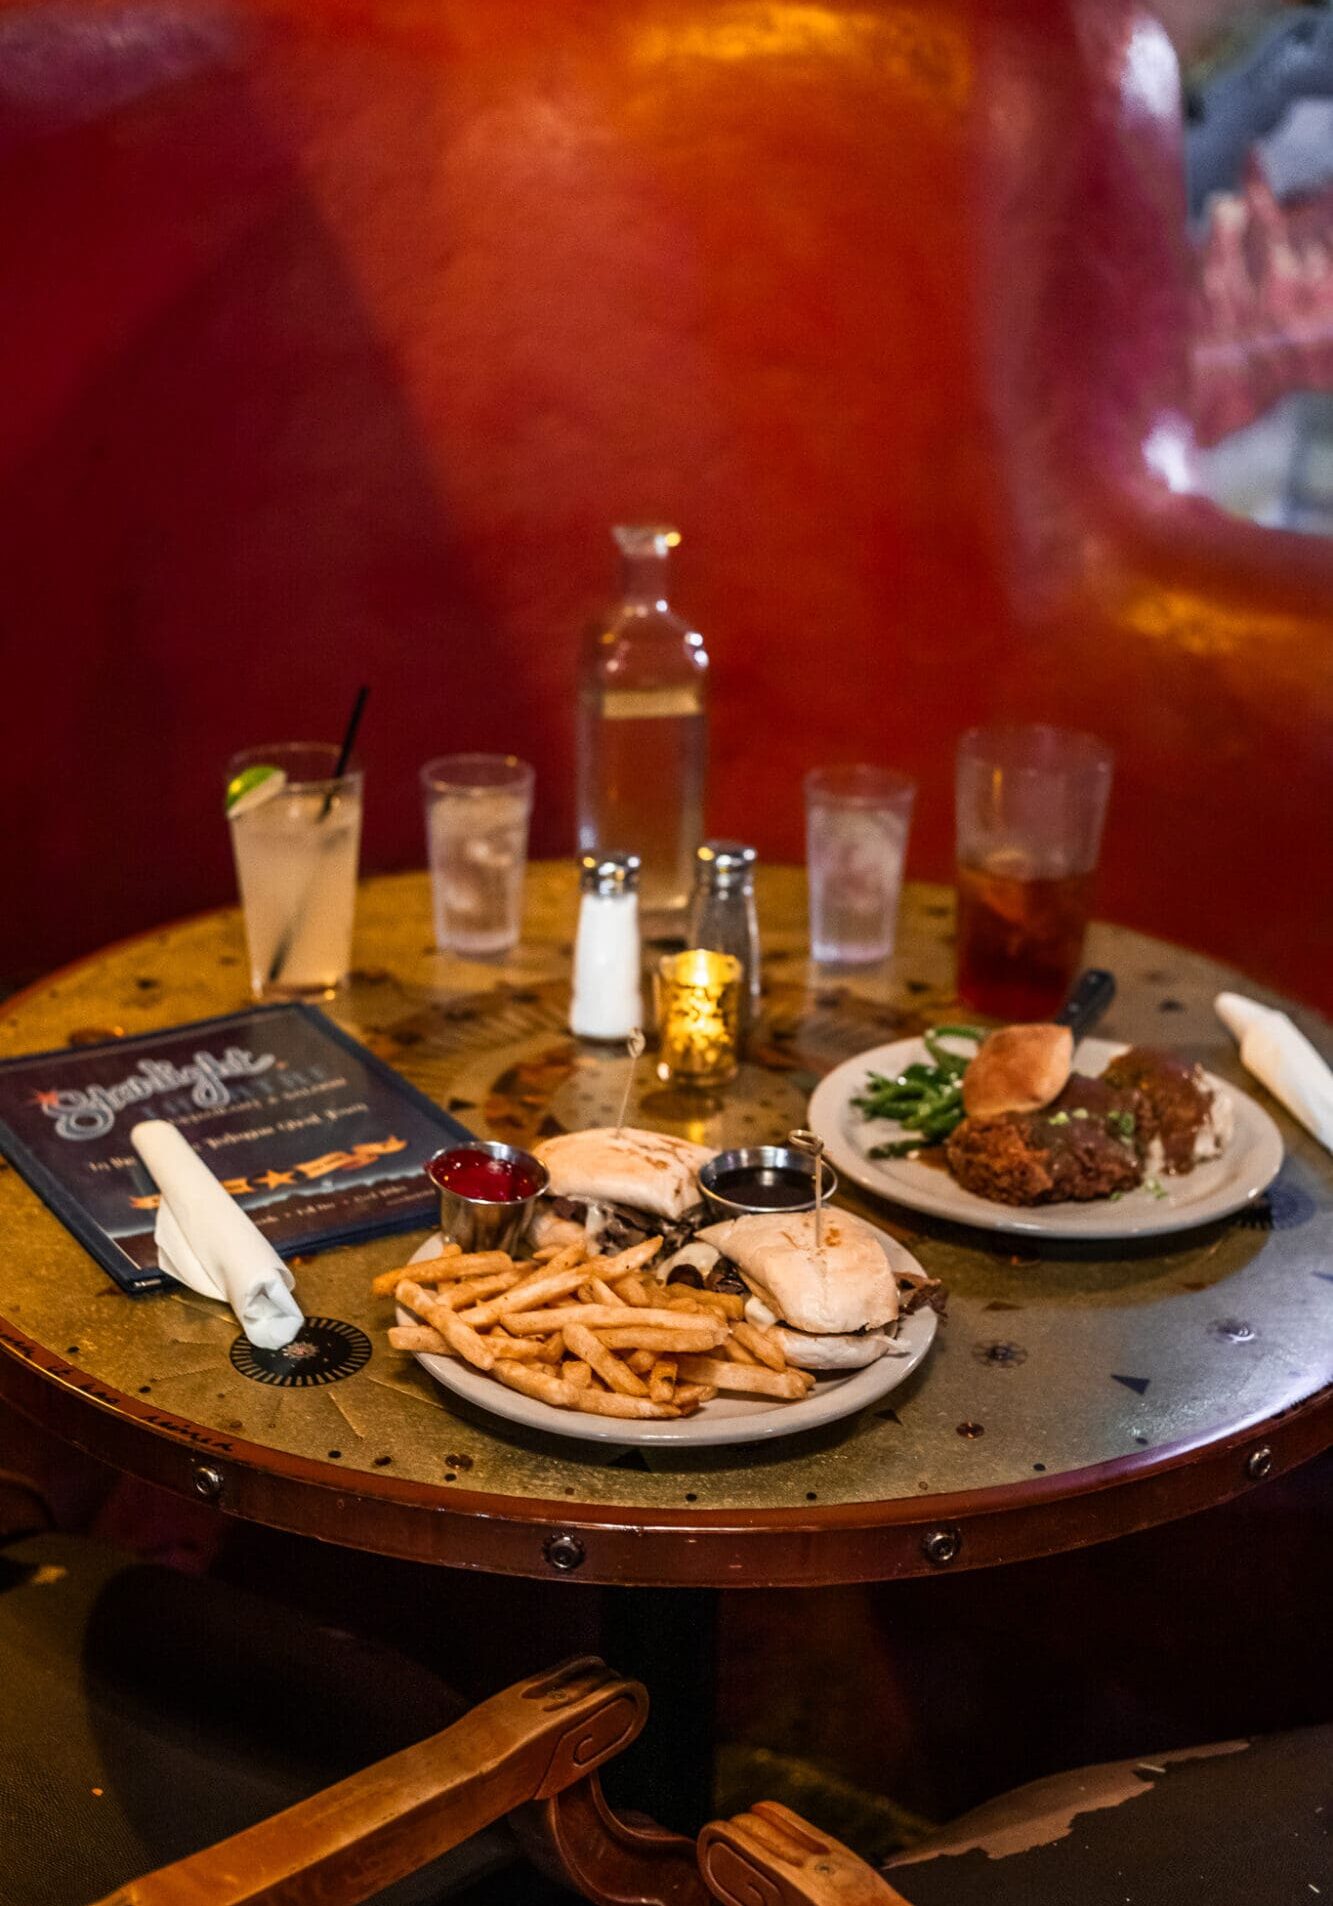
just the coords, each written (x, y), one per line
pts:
(727, 1419)
(1246, 1168)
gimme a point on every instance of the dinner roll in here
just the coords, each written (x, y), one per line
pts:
(1018, 1069)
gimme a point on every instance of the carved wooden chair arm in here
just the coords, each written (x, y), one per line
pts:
(349, 1841)
(770, 1856)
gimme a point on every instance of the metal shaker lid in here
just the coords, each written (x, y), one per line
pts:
(724, 863)
(609, 873)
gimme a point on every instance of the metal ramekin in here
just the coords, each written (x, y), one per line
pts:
(486, 1224)
(782, 1157)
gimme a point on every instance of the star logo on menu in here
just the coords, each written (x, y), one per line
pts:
(272, 1179)
(45, 1099)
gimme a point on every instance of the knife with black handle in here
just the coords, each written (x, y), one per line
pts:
(1089, 997)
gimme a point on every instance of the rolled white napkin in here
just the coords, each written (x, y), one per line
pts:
(1282, 1058)
(205, 1240)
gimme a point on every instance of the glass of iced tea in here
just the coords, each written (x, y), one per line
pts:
(1030, 803)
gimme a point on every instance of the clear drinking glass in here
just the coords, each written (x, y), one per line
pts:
(1029, 811)
(857, 820)
(477, 811)
(296, 859)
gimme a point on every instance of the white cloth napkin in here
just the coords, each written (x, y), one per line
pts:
(1282, 1058)
(205, 1240)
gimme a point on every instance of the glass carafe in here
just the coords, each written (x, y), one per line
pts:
(642, 742)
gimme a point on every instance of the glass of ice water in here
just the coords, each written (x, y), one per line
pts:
(477, 810)
(296, 847)
(857, 823)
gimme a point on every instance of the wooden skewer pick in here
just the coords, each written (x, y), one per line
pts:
(811, 1142)
(634, 1046)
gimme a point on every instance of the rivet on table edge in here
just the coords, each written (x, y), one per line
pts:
(942, 1546)
(564, 1552)
(1259, 1463)
(207, 1481)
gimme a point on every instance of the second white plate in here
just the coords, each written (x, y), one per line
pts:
(1214, 1190)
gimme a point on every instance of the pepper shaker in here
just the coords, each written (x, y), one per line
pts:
(722, 913)
(607, 1001)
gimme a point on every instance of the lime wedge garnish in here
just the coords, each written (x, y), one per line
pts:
(252, 787)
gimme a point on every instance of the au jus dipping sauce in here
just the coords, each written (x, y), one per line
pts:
(767, 1187)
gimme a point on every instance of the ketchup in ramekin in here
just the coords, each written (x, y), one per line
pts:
(470, 1172)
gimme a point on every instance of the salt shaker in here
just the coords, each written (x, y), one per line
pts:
(722, 912)
(607, 1002)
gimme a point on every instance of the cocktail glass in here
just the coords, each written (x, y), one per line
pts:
(857, 823)
(1030, 805)
(296, 860)
(477, 811)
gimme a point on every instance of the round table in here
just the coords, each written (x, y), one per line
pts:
(1074, 1393)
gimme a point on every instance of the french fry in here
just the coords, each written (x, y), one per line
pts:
(553, 1348)
(526, 1323)
(699, 1336)
(681, 1297)
(419, 1338)
(547, 1252)
(640, 1361)
(633, 1259)
(736, 1352)
(614, 1374)
(756, 1380)
(662, 1380)
(577, 1373)
(426, 1272)
(600, 1292)
(632, 1288)
(549, 1389)
(557, 1279)
(523, 1349)
(725, 1303)
(567, 1255)
(456, 1333)
(413, 1297)
(465, 1295)
(688, 1396)
(760, 1345)
(481, 1263)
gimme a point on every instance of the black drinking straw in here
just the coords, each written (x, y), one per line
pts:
(284, 949)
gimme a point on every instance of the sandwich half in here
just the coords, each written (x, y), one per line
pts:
(614, 1186)
(832, 1307)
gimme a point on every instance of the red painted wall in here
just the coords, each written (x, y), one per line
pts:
(334, 335)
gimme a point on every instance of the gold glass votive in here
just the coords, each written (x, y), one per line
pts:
(698, 1017)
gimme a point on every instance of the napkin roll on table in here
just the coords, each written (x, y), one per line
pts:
(1280, 1056)
(205, 1240)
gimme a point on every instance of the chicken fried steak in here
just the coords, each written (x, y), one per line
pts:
(1081, 1146)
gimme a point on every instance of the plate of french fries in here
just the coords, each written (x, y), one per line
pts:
(598, 1348)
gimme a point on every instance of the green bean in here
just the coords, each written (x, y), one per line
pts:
(925, 1098)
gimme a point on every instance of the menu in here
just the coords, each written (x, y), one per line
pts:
(318, 1140)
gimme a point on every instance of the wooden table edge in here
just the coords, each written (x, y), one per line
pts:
(443, 1524)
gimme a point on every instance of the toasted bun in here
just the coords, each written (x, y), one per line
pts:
(808, 1352)
(846, 1286)
(647, 1170)
(1018, 1069)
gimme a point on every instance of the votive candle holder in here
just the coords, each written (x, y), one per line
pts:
(698, 1017)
